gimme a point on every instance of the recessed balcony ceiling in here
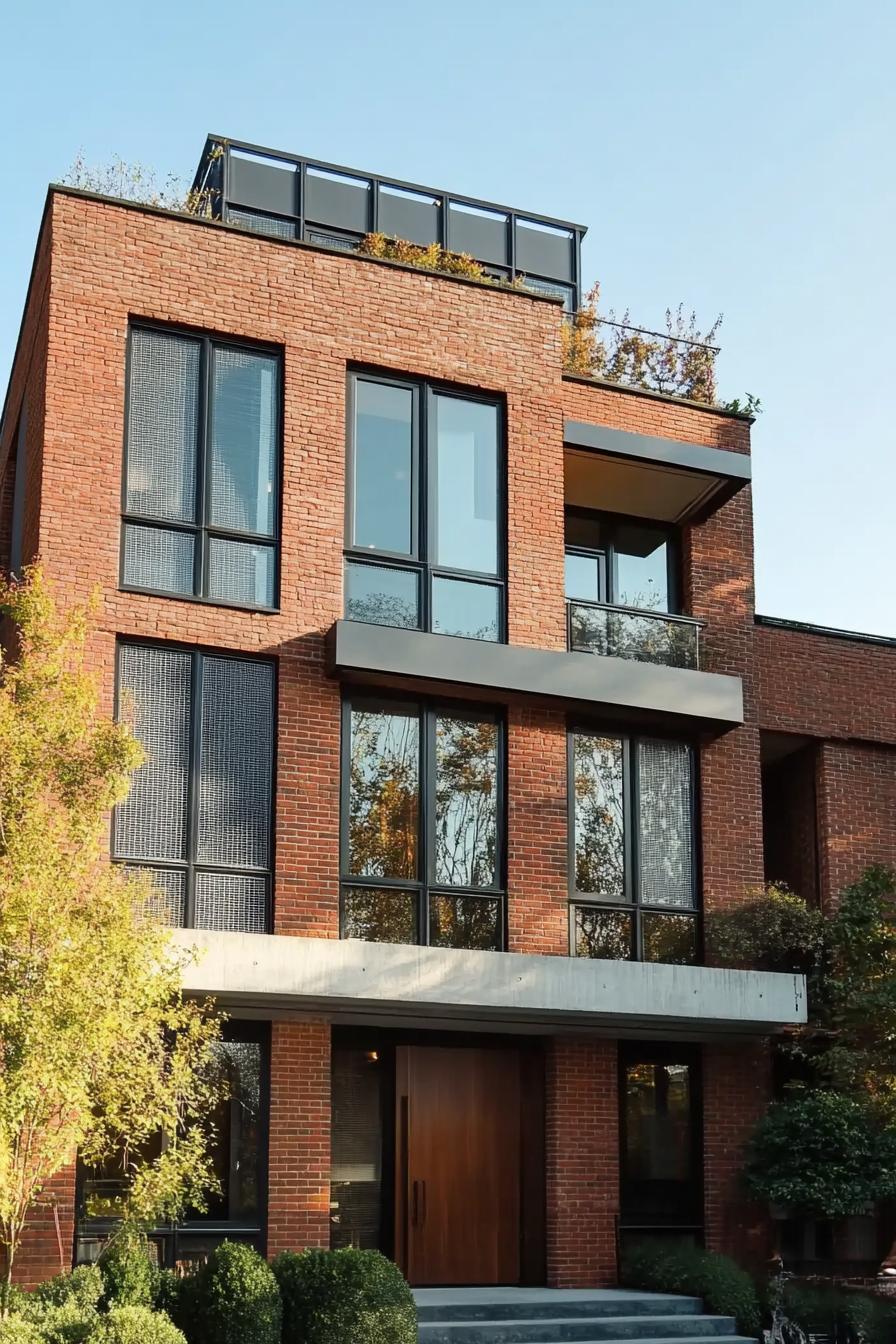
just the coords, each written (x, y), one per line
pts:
(646, 477)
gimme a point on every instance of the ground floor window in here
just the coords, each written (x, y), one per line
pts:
(661, 1148)
(239, 1156)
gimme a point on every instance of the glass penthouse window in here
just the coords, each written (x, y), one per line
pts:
(425, 525)
(633, 848)
(201, 469)
(622, 562)
(198, 816)
(422, 828)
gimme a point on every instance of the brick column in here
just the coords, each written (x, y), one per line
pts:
(537, 864)
(299, 1154)
(582, 1163)
(736, 1091)
(39, 1254)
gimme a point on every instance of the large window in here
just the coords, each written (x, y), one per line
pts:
(198, 815)
(201, 469)
(425, 524)
(239, 1158)
(632, 859)
(422, 832)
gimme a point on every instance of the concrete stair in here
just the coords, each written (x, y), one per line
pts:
(573, 1316)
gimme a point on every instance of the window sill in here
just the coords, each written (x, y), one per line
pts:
(224, 603)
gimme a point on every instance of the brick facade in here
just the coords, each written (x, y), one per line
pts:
(101, 264)
(582, 1163)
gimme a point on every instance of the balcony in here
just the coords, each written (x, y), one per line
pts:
(613, 686)
(289, 196)
(634, 633)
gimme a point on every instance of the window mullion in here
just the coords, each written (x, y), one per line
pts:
(427, 815)
(202, 472)
(630, 817)
(195, 769)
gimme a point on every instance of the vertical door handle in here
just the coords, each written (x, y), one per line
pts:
(423, 1193)
(415, 1204)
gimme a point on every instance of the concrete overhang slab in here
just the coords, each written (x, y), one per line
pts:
(349, 980)
(615, 687)
(649, 477)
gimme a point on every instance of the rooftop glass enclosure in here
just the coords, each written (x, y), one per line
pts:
(288, 196)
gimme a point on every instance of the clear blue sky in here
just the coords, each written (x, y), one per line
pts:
(735, 154)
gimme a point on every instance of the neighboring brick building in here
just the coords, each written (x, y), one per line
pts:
(444, 815)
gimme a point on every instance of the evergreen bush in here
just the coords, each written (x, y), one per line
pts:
(129, 1276)
(232, 1299)
(135, 1325)
(344, 1297)
(725, 1288)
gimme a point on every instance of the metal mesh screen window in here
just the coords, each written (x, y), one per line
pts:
(154, 694)
(665, 842)
(632, 849)
(199, 813)
(163, 425)
(202, 467)
(235, 776)
(231, 901)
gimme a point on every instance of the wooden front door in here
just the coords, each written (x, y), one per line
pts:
(458, 1165)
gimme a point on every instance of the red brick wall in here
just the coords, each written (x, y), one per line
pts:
(39, 1256)
(736, 1089)
(582, 1163)
(299, 1161)
(538, 879)
(826, 687)
(857, 813)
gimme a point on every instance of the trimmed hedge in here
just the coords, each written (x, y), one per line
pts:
(726, 1289)
(344, 1297)
(82, 1288)
(232, 1299)
(135, 1325)
(129, 1276)
(841, 1312)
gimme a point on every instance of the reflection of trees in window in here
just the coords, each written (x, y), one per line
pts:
(657, 1122)
(466, 802)
(599, 822)
(379, 915)
(464, 921)
(384, 785)
(383, 609)
(603, 934)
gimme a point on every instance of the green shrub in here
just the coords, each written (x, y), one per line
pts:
(725, 1288)
(82, 1287)
(16, 1330)
(168, 1292)
(821, 1153)
(776, 931)
(128, 1273)
(135, 1325)
(232, 1299)
(840, 1313)
(344, 1297)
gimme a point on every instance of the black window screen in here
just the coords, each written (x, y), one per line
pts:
(201, 470)
(198, 816)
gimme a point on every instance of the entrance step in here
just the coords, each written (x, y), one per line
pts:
(557, 1316)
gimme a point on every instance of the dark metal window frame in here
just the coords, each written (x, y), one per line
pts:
(214, 174)
(424, 502)
(630, 903)
(607, 558)
(191, 866)
(169, 1234)
(662, 1052)
(427, 711)
(203, 530)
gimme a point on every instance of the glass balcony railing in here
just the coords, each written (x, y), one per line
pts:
(631, 632)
